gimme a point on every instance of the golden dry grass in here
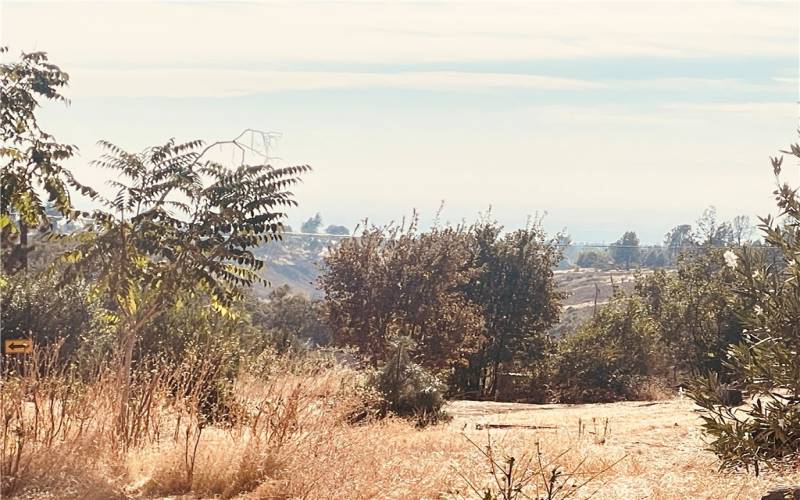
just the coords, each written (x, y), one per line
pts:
(293, 441)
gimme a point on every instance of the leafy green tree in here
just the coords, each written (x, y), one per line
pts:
(396, 282)
(32, 159)
(337, 230)
(625, 251)
(517, 293)
(767, 359)
(655, 258)
(695, 310)
(593, 259)
(610, 356)
(677, 240)
(37, 306)
(287, 320)
(714, 233)
(312, 225)
(177, 223)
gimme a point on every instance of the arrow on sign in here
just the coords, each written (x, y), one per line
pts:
(18, 346)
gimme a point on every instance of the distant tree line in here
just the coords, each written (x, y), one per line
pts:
(313, 225)
(627, 253)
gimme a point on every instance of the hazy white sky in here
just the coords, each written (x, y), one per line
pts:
(609, 116)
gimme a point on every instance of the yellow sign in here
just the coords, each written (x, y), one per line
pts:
(18, 346)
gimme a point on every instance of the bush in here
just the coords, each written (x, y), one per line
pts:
(767, 360)
(286, 321)
(594, 259)
(37, 306)
(610, 357)
(695, 310)
(407, 388)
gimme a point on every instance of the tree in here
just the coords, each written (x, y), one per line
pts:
(655, 258)
(395, 282)
(677, 240)
(517, 294)
(767, 359)
(593, 259)
(178, 223)
(742, 229)
(31, 158)
(711, 232)
(288, 318)
(312, 225)
(625, 251)
(337, 230)
(610, 356)
(695, 310)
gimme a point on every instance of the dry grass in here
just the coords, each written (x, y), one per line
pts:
(290, 439)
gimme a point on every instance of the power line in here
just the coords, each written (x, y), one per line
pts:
(560, 245)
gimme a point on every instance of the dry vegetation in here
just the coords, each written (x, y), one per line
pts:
(289, 436)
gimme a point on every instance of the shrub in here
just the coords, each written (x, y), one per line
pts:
(395, 281)
(407, 388)
(610, 357)
(37, 306)
(695, 310)
(286, 321)
(767, 360)
(594, 259)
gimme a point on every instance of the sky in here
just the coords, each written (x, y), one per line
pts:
(606, 116)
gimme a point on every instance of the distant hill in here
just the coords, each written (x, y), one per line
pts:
(296, 261)
(583, 287)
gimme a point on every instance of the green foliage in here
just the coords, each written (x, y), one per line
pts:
(178, 224)
(337, 230)
(37, 306)
(407, 388)
(516, 292)
(287, 321)
(655, 258)
(312, 225)
(695, 310)
(593, 259)
(189, 326)
(474, 302)
(610, 356)
(765, 433)
(395, 282)
(711, 232)
(678, 239)
(31, 158)
(767, 359)
(625, 251)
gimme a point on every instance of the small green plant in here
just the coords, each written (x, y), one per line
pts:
(408, 389)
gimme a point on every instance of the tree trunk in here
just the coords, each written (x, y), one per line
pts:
(126, 343)
(23, 245)
(495, 371)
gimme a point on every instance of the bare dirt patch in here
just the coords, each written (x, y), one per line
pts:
(661, 441)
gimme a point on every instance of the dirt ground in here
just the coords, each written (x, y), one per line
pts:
(661, 442)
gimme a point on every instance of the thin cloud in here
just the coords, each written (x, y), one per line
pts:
(229, 83)
(178, 82)
(245, 33)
